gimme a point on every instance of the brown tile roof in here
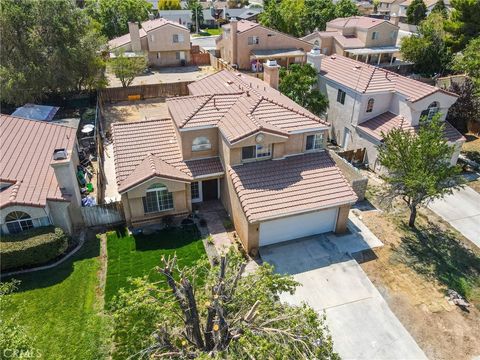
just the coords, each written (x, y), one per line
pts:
(368, 78)
(360, 22)
(243, 25)
(123, 40)
(300, 183)
(349, 42)
(388, 121)
(156, 23)
(137, 144)
(26, 151)
(239, 106)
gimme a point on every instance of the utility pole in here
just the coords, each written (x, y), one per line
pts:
(196, 18)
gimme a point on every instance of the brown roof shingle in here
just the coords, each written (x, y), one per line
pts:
(301, 183)
(26, 151)
(388, 121)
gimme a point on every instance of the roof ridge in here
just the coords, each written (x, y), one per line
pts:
(135, 123)
(297, 111)
(14, 191)
(195, 111)
(35, 120)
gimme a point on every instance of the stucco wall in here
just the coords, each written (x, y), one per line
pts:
(384, 35)
(357, 181)
(167, 58)
(133, 203)
(342, 219)
(189, 136)
(161, 39)
(62, 216)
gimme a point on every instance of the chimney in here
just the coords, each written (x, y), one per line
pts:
(394, 19)
(65, 172)
(234, 42)
(314, 58)
(134, 36)
(271, 73)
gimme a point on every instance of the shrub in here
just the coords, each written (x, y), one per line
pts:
(32, 247)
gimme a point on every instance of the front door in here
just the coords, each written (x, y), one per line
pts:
(210, 189)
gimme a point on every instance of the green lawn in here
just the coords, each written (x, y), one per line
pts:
(59, 308)
(208, 32)
(136, 256)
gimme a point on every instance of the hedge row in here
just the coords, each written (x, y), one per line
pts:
(32, 247)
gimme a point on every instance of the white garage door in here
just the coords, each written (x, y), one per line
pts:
(293, 227)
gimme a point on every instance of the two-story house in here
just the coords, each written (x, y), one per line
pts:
(166, 43)
(237, 139)
(389, 7)
(366, 101)
(430, 4)
(38, 182)
(362, 38)
(247, 45)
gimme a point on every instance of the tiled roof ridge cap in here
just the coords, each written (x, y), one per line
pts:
(46, 123)
(134, 123)
(14, 191)
(314, 117)
(195, 111)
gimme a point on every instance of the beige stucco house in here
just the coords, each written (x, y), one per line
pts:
(366, 100)
(237, 139)
(247, 45)
(165, 43)
(38, 183)
(362, 38)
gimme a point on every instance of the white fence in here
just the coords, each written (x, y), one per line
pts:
(105, 214)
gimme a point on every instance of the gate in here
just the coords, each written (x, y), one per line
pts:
(104, 214)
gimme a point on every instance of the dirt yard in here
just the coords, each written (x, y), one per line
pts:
(413, 271)
(165, 75)
(128, 111)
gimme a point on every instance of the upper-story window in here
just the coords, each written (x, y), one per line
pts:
(253, 40)
(393, 34)
(314, 142)
(370, 104)
(316, 43)
(375, 35)
(256, 152)
(178, 38)
(201, 143)
(152, 37)
(341, 96)
(387, 5)
(157, 198)
(432, 109)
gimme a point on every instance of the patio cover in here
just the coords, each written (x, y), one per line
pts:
(276, 53)
(375, 50)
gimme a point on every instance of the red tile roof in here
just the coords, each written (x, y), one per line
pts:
(239, 106)
(388, 121)
(26, 151)
(301, 183)
(139, 144)
(368, 78)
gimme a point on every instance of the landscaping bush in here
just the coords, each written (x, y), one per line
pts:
(32, 247)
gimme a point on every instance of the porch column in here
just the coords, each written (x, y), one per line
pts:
(288, 61)
(257, 65)
(391, 59)
(379, 58)
(356, 57)
(366, 59)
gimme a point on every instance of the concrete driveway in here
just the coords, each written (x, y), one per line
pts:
(360, 321)
(462, 211)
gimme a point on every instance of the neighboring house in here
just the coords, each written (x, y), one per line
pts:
(237, 139)
(38, 183)
(182, 17)
(365, 7)
(246, 44)
(389, 7)
(224, 15)
(363, 38)
(402, 11)
(166, 43)
(365, 101)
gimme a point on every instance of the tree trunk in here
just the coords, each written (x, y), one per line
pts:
(413, 216)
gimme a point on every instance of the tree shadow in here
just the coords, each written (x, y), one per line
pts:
(166, 239)
(438, 255)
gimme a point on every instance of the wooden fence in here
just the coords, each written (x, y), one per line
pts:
(145, 91)
(200, 58)
(105, 214)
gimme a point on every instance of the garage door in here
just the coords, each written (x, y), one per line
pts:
(293, 227)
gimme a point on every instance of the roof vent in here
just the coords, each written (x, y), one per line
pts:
(358, 67)
(229, 82)
(60, 154)
(333, 57)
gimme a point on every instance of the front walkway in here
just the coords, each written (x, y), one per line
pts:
(214, 214)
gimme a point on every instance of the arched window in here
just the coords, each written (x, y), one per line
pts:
(18, 221)
(201, 143)
(370, 105)
(157, 198)
(432, 109)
